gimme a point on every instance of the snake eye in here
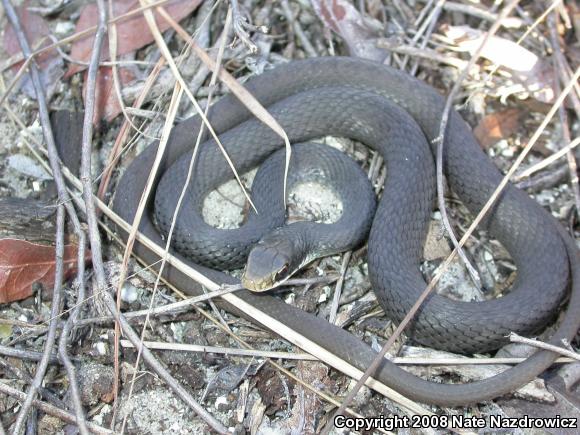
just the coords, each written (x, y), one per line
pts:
(282, 272)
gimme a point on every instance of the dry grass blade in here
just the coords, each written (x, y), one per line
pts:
(15, 80)
(175, 307)
(548, 160)
(124, 131)
(181, 347)
(528, 31)
(19, 74)
(409, 361)
(172, 112)
(442, 132)
(171, 62)
(245, 97)
(559, 62)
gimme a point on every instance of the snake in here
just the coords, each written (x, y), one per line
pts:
(271, 251)
(376, 105)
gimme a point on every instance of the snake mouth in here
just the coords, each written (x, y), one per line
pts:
(269, 264)
(264, 282)
(257, 285)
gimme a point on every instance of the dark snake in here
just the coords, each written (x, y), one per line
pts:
(352, 97)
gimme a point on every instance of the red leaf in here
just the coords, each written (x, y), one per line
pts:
(132, 33)
(23, 263)
(107, 105)
(496, 126)
(50, 63)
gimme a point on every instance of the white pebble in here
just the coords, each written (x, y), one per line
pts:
(129, 293)
(221, 400)
(508, 152)
(100, 347)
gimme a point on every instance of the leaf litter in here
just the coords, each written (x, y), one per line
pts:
(355, 30)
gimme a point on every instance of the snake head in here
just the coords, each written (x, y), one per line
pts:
(269, 263)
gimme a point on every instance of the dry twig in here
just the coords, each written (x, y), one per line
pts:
(64, 203)
(515, 338)
(51, 410)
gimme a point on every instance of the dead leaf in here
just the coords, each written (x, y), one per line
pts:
(272, 390)
(107, 105)
(497, 126)
(530, 73)
(344, 19)
(132, 33)
(306, 407)
(23, 263)
(49, 62)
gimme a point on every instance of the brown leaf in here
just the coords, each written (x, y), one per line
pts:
(36, 31)
(343, 18)
(529, 72)
(497, 126)
(23, 263)
(132, 33)
(107, 105)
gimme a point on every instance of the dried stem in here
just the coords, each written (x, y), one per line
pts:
(64, 203)
(65, 334)
(51, 335)
(515, 338)
(26, 354)
(50, 409)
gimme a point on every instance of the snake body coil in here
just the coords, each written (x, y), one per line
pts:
(356, 98)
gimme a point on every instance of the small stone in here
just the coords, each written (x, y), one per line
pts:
(95, 383)
(129, 293)
(221, 403)
(100, 347)
(508, 152)
(25, 165)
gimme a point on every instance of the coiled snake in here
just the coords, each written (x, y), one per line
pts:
(379, 106)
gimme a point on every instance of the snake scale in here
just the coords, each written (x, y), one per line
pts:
(352, 97)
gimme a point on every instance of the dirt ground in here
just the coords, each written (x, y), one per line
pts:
(505, 97)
